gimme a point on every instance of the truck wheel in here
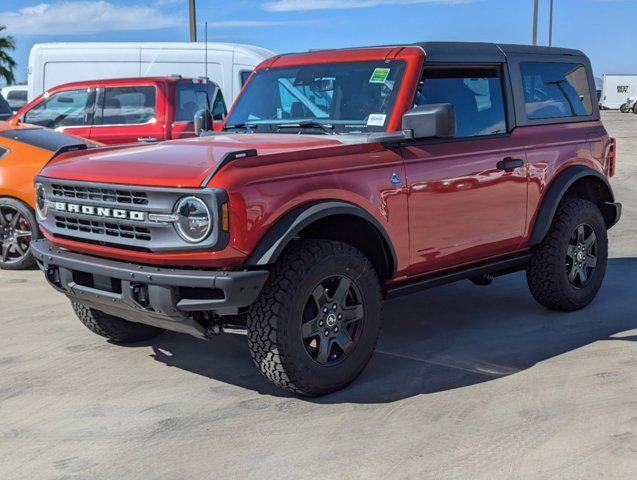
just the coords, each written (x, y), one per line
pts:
(567, 268)
(315, 325)
(114, 328)
(17, 228)
(634, 109)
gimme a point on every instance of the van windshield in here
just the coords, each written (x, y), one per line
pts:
(345, 97)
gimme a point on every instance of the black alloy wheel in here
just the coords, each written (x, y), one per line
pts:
(581, 255)
(333, 320)
(16, 234)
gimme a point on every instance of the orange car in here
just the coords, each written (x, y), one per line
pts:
(24, 150)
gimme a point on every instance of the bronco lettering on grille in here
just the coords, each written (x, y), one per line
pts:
(100, 211)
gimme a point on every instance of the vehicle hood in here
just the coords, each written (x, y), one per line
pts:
(177, 163)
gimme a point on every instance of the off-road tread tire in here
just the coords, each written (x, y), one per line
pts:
(27, 261)
(114, 328)
(546, 274)
(265, 324)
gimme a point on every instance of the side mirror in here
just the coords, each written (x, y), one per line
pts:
(431, 121)
(203, 121)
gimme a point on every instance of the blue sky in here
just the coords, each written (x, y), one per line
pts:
(604, 29)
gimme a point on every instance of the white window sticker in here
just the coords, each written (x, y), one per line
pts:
(376, 120)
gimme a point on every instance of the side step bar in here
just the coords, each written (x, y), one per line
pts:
(495, 268)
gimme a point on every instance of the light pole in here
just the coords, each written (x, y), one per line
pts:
(193, 21)
(551, 25)
(535, 7)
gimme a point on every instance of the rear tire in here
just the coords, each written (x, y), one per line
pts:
(567, 268)
(315, 325)
(114, 328)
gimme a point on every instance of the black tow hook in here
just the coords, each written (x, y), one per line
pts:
(214, 326)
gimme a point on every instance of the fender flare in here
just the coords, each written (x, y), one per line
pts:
(286, 228)
(556, 192)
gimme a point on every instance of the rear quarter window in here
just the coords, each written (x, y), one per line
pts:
(555, 90)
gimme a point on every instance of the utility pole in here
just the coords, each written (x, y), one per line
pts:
(535, 22)
(551, 26)
(193, 20)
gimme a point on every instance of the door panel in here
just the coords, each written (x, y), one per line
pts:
(462, 208)
(467, 195)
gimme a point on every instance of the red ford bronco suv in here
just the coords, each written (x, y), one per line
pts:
(341, 178)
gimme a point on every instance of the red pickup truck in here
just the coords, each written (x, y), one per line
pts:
(126, 110)
(341, 178)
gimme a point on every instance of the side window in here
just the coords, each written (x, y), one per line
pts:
(191, 97)
(555, 90)
(245, 74)
(62, 109)
(3, 151)
(127, 106)
(219, 108)
(476, 95)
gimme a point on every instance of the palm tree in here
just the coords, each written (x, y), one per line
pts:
(7, 64)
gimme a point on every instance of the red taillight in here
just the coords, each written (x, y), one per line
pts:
(611, 156)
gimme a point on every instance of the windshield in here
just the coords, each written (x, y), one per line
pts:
(347, 97)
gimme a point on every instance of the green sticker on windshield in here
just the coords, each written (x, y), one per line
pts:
(379, 75)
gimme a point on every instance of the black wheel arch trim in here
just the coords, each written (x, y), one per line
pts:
(288, 227)
(556, 192)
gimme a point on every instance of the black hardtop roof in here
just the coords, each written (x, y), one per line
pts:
(486, 52)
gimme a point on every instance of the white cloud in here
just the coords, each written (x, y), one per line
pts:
(243, 23)
(297, 5)
(85, 17)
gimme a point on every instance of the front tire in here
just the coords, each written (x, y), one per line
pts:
(315, 325)
(17, 229)
(624, 108)
(114, 328)
(567, 268)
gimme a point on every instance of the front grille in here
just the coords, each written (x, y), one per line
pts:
(120, 216)
(98, 227)
(98, 194)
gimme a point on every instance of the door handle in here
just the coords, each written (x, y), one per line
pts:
(509, 164)
(147, 139)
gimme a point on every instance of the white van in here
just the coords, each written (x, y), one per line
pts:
(616, 89)
(229, 65)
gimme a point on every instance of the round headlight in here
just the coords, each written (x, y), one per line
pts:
(41, 207)
(193, 223)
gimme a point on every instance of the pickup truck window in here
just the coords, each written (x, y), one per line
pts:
(476, 95)
(62, 109)
(191, 97)
(127, 106)
(348, 96)
(555, 90)
(219, 108)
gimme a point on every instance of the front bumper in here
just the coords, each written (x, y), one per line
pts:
(178, 300)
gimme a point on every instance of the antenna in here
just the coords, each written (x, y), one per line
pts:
(206, 52)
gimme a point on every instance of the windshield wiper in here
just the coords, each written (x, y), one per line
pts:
(326, 127)
(241, 126)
